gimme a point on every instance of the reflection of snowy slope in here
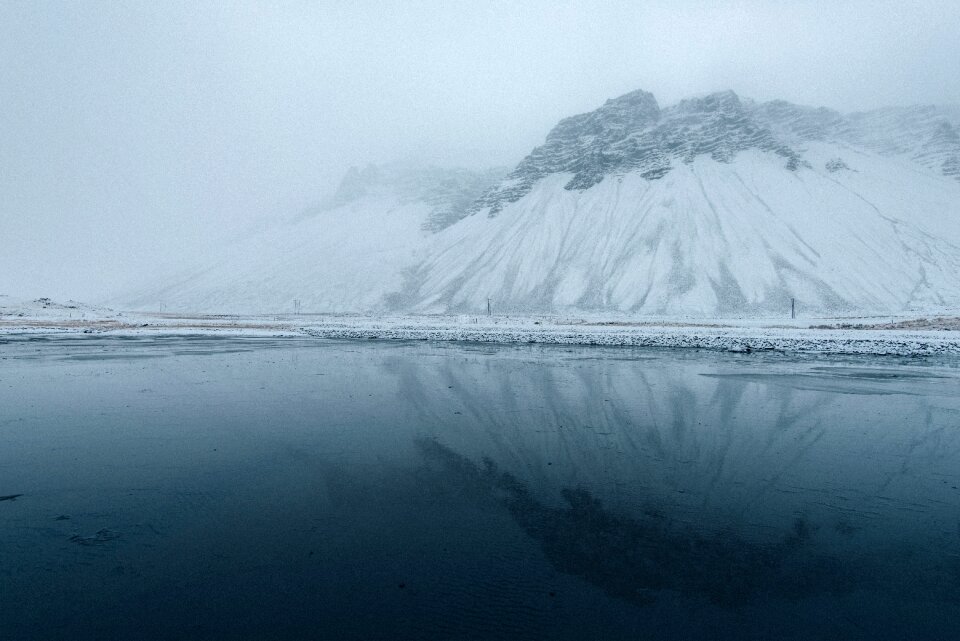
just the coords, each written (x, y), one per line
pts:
(708, 442)
(713, 206)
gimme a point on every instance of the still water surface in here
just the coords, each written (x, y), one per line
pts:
(224, 488)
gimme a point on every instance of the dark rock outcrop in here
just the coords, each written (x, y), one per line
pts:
(632, 133)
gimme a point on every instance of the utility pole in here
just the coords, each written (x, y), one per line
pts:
(793, 308)
(488, 306)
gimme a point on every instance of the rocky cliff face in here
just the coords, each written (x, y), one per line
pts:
(633, 134)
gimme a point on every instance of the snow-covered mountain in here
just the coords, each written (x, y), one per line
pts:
(713, 206)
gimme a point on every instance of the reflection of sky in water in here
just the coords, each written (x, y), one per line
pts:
(217, 487)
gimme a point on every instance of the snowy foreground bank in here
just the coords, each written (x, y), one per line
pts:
(733, 338)
(897, 337)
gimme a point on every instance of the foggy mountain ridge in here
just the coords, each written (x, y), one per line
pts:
(450, 191)
(714, 205)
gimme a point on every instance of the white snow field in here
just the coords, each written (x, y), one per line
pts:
(712, 239)
(712, 207)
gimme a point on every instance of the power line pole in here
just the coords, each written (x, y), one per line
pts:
(488, 306)
(793, 308)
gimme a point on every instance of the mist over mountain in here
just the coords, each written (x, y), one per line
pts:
(715, 205)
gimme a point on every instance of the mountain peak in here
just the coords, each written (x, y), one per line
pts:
(639, 101)
(616, 118)
(720, 101)
(631, 133)
(637, 96)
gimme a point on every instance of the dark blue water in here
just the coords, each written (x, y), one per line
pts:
(216, 488)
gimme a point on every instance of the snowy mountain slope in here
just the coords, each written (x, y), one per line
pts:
(712, 238)
(713, 206)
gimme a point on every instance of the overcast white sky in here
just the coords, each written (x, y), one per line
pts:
(134, 134)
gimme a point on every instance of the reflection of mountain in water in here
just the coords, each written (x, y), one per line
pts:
(637, 558)
(695, 437)
(739, 483)
(634, 558)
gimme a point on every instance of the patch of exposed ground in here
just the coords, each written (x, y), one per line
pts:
(646, 324)
(944, 323)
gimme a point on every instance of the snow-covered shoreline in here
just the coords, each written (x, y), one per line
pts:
(735, 339)
(887, 337)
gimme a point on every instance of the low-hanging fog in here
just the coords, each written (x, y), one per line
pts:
(134, 136)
